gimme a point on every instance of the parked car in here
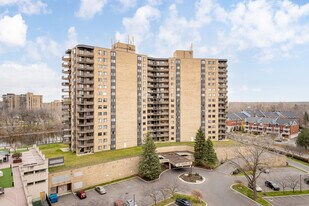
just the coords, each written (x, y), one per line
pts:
(81, 194)
(257, 188)
(1, 190)
(272, 185)
(265, 170)
(183, 202)
(119, 203)
(306, 180)
(101, 190)
(130, 202)
(235, 172)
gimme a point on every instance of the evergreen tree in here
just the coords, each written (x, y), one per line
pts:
(149, 165)
(199, 148)
(211, 156)
(303, 139)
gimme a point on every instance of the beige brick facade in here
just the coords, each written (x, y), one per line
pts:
(116, 96)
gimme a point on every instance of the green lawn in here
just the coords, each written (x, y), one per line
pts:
(286, 193)
(299, 161)
(6, 180)
(249, 193)
(72, 161)
(188, 197)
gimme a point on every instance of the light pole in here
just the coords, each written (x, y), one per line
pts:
(300, 182)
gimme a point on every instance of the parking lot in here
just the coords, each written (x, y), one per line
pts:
(217, 182)
(299, 200)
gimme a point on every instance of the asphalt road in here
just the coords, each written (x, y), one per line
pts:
(216, 190)
(296, 200)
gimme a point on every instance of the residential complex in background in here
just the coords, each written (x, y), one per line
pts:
(54, 105)
(283, 124)
(114, 97)
(26, 101)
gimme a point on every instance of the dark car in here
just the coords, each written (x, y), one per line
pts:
(306, 180)
(236, 171)
(183, 202)
(81, 194)
(1, 190)
(272, 185)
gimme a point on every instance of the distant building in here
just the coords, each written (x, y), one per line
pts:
(284, 124)
(27, 101)
(54, 105)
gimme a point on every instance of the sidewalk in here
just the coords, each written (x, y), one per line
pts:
(14, 196)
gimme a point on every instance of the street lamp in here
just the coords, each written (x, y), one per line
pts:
(300, 182)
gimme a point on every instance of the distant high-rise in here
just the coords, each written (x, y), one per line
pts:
(26, 101)
(114, 97)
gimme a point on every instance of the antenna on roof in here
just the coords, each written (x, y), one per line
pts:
(191, 47)
(133, 40)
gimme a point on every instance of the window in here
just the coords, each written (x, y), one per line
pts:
(99, 147)
(104, 126)
(100, 134)
(99, 52)
(100, 140)
(99, 113)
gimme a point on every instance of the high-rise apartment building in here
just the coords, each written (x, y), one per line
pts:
(21, 101)
(114, 97)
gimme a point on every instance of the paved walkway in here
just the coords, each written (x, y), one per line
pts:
(298, 165)
(297, 200)
(15, 195)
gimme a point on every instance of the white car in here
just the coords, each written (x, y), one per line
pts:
(101, 190)
(257, 188)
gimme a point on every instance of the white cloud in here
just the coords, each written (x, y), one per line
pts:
(274, 27)
(37, 78)
(43, 47)
(127, 4)
(27, 6)
(139, 25)
(13, 31)
(89, 8)
(72, 38)
(154, 2)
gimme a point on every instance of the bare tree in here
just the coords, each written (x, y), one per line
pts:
(249, 161)
(283, 182)
(293, 182)
(197, 195)
(172, 187)
(154, 194)
(164, 192)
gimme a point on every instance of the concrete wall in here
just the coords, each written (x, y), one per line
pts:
(106, 172)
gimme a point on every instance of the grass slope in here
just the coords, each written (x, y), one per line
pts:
(6, 180)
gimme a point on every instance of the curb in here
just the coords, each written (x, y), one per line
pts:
(231, 187)
(192, 183)
(154, 179)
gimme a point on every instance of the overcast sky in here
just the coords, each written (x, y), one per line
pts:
(266, 42)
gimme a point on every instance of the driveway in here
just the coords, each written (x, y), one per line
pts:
(215, 190)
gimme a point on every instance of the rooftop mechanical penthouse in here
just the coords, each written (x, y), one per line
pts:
(114, 97)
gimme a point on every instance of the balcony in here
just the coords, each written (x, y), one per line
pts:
(85, 53)
(86, 110)
(66, 77)
(86, 124)
(66, 58)
(65, 90)
(65, 84)
(223, 86)
(66, 64)
(85, 117)
(83, 131)
(80, 145)
(222, 65)
(85, 102)
(82, 74)
(85, 138)
(222, 75)
(66, 71)
(89, 68)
